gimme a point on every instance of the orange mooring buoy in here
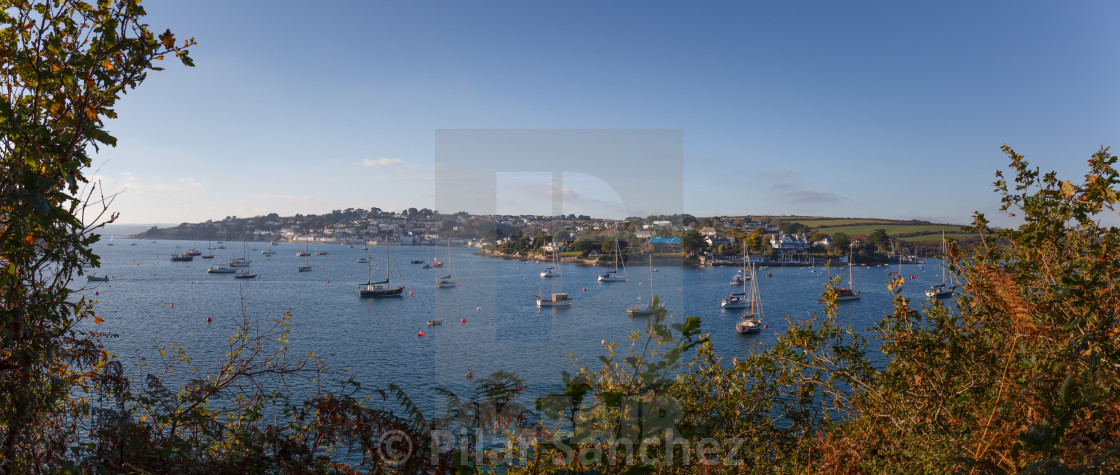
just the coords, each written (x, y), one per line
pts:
(420, 334)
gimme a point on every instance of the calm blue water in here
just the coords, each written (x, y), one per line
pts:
(376, 339)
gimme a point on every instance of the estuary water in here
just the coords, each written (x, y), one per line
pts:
(151, 301)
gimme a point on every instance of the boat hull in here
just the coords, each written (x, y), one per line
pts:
(639, 311)
(748, 325)
(380, 293)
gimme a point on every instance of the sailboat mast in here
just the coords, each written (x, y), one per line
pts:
(850, 255)
(944, 250)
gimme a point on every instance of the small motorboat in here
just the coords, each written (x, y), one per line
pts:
(435, 321)
(557, 300)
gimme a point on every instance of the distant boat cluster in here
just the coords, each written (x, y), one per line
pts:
(748, 299)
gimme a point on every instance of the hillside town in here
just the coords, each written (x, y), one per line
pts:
(709, 240)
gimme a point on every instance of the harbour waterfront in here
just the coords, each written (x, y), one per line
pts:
(149, 298)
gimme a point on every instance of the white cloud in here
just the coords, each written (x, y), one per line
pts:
(396, 168)
(129, 181)
(381, 162)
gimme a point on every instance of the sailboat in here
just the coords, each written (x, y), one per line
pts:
(941, 290)
(741, 277)
(550, 270)
(379, 289)
(245, 274)
(111, 239)
(735, 300)
(181, 257)
(447, 281)
(613, 275)
(305, 267)
(558, 299)
(209, 251)
(644, 309)
(435, 260)
(751, 322)
(846, 295)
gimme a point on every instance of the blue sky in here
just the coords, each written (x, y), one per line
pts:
(871, 109)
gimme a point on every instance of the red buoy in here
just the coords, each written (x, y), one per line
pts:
(328, 281)
(766, 326)
(410, 293)
(462, 320)
(420, 334)
(207, 319)
(97, 293)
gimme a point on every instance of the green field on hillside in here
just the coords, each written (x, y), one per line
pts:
(891, 229)
(937, 237)
(826, 222)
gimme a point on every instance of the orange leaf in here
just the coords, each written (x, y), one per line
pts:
(98, 320)
(29, 239)
(107, 65)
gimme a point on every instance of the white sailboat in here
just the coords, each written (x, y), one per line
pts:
(613, 275)
(220, 269)
(550, 271)
(644, 309)
(735, 300)
(751, 322)
(741, 276)
(941, 290)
